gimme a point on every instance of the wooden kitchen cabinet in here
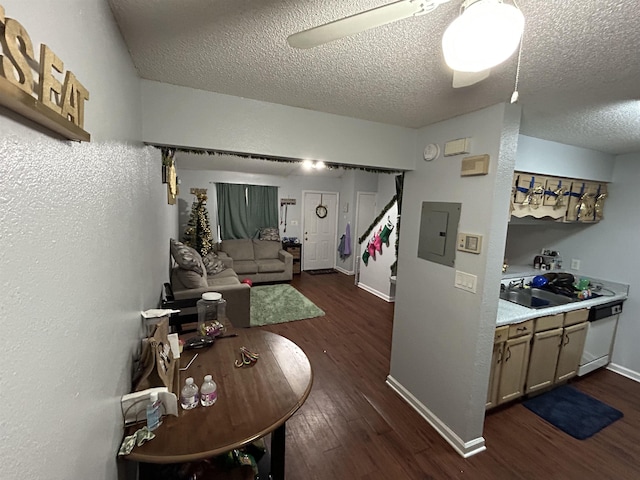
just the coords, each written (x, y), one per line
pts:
(543, 362)
(571, 351)
(513, 370)
(568, 200)
(499, 340)
(545, 348)
(534, 355)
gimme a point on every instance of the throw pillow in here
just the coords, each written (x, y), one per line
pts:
(269, 233)
(213, 264)
(186, 257)
(191, 279)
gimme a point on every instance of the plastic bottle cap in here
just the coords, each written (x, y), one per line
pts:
(207, 378)
(153, 397)
(189, 381)
(215, 296)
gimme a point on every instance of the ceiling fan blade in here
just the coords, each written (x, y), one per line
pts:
(360, 22)
(465, 79)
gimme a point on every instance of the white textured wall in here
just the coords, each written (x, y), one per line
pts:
(84, 228)
(187, 117)
(446, 331)
(552, 158)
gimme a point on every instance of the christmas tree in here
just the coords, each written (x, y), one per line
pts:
(198, 233)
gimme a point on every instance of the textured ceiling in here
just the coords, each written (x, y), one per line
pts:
(579, 76)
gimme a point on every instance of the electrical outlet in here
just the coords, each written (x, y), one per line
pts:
(575, 264)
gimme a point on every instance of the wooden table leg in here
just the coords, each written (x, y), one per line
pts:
(277, 453)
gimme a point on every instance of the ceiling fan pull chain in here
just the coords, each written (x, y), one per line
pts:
(515, 94)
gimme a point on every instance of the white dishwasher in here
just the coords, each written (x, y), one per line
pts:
(603, 320)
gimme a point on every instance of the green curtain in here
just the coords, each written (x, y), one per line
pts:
(243, 209)
(233, 216)
(263, 206)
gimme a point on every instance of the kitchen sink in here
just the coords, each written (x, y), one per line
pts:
(534, 297)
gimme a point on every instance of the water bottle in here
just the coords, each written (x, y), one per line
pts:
(207, 308)
(208, 392)
(154, 415)
(189, 395)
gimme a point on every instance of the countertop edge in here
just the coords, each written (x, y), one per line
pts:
(510, 313)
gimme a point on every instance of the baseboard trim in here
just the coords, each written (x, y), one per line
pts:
(346, 272)
(375, 292)
(624, 371)
(464, 449)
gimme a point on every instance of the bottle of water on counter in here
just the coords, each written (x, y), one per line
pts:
(189, 395)
(208, 392)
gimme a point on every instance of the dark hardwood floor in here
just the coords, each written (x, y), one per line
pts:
(355, 427)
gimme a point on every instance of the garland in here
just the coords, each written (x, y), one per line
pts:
(270, 158)
(378, 218)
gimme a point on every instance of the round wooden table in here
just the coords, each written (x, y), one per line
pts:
(252, 401)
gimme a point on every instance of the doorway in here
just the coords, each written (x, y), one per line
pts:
(366, 203)
(319, 227)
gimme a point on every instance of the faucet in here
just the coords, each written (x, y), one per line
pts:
(516, 283)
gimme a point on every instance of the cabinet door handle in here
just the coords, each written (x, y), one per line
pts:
(566, 340)
(509, 355)
(521, 329)
(499, 356)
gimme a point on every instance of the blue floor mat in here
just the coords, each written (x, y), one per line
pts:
(573, 412)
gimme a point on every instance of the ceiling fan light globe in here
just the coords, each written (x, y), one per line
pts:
(485, 35)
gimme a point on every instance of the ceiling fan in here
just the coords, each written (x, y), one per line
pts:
(485, 34)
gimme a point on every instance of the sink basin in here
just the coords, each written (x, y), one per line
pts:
(534, 297)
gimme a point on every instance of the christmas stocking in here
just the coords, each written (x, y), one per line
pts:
(365, 257)
(377, 242)
(386, 232)
(371, 248)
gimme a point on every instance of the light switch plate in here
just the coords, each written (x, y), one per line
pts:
(466, 281)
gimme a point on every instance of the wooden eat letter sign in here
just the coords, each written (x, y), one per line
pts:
(42, 97)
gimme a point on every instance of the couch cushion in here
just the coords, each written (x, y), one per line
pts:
(241, 249)
(191, 279)
(243, 267)
(218, 281)
(213, 264)
(226, 273)
(266, 249)
(270, 266)
(186, 257)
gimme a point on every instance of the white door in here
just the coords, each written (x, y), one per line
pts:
(319, 233)
(365, 214)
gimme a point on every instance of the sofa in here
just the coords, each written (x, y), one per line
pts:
(191, 276)
(258, 260)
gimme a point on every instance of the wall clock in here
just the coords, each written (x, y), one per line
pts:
(431, 152)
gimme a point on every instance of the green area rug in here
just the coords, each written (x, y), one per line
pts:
(280, 303)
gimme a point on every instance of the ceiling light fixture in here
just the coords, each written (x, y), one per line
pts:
(483, 36)
(313, 165)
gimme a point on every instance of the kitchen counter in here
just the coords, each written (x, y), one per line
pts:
(509, 312)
